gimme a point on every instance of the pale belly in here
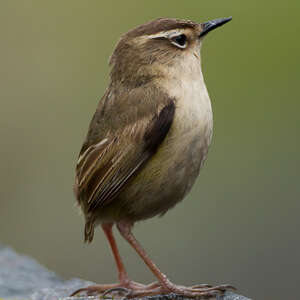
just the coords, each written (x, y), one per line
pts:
(165, 180)
(169, 175)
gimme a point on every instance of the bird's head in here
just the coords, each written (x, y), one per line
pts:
(146, 51)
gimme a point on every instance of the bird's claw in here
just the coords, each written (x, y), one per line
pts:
(120, 290)
(134, 290)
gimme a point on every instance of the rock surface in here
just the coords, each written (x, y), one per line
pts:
(22, 277)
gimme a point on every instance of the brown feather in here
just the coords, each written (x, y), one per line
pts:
(89, 230)
(120, 148)
(160, 24)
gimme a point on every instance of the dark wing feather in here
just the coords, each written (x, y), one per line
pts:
(107, 164)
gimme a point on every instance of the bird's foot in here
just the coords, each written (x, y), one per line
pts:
(203, 291)
(133, 289)
(196, 291)
(128, 289)
(94, 289)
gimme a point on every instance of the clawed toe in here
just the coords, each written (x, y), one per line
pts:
(130, 290)
(200, 290)
(119, 290)
(200, 286)
(134, 290)
(207, 287)
(95, 289)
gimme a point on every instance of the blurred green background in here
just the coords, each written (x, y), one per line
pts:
(239, 225)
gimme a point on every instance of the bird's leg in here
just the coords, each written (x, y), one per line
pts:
(125, 285)
(122, 274)
(166, 286)
(125, 230)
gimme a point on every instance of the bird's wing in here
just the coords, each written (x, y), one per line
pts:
(122, 137)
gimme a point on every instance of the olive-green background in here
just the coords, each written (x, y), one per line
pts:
(239, 225)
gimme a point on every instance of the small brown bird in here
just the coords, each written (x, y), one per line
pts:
(146, 142)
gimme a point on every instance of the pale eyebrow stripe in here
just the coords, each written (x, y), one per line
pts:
(165, 34)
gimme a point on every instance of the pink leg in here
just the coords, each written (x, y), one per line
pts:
(122, 274)
(125, 285)
(166, 285)
(125, 230)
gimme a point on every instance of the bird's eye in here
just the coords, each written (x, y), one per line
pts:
(179, 41)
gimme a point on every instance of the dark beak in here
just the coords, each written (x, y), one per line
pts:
(211, 25)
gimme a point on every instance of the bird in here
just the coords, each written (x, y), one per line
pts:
(146, 143)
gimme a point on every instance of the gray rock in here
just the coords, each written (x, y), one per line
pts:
(22, 277)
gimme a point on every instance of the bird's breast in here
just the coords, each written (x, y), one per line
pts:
(170, 173)
(191, 132)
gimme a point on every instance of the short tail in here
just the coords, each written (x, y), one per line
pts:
(89, 230)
